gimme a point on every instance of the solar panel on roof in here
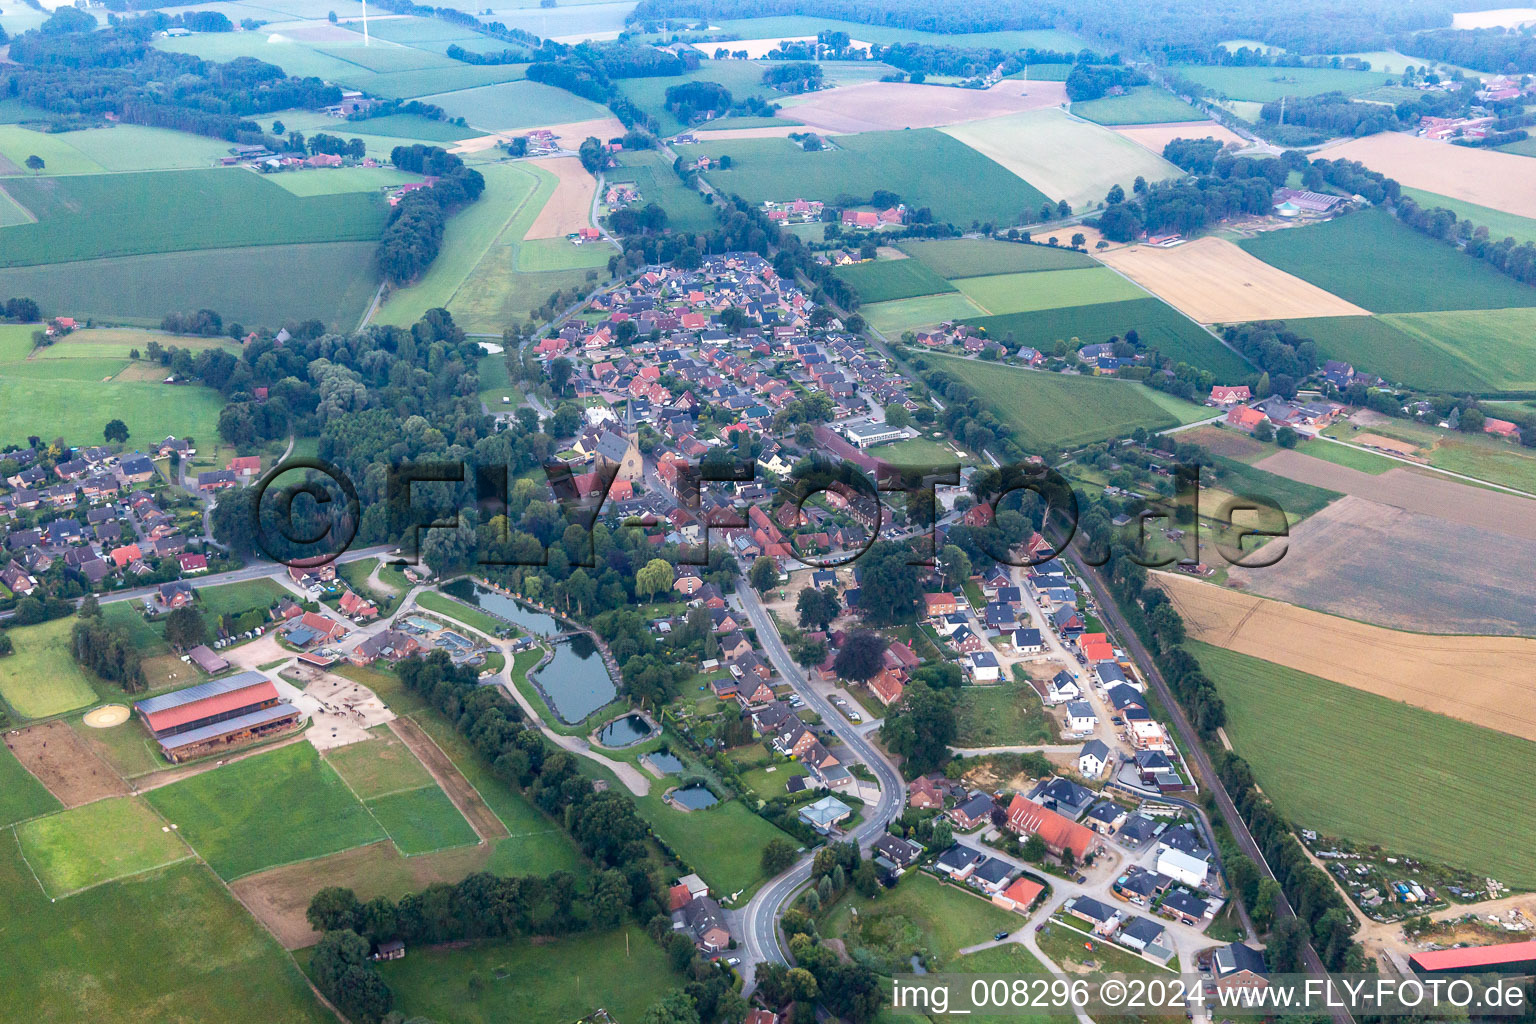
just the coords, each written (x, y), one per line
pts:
(202, 691)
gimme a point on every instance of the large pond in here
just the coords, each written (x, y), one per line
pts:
(509, 608)
(575, 681)
(624, 732)
(694, 797)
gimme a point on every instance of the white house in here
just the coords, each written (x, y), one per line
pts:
(1027, 641)
(1062, 688)
(1080, 717)
(984, 667)
(1093, 759)
(1182, 867)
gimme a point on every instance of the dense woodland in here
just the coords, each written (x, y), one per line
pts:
(1233, 186)
(414, 234)
(1487, 49)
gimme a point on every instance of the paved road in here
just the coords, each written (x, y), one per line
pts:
(255, 571)
(760, 917)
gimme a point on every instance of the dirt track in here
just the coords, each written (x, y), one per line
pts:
(1479, 679)
(1213, 281)
(888, 106)
(1503, 181)
(480, 817)
(65, 763)
(570, 208)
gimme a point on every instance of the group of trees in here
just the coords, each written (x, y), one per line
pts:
(106, 649)
(973, 61)
(923, 725)
(1281, 354)
(414, 233)
(1484, 49)
(794, 76)
(206, 323)
(1327, 115)
(21, 311)
(1232, 186)
(1090, 81)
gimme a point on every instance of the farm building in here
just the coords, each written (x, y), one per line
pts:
(214, 716)
(1509, 958)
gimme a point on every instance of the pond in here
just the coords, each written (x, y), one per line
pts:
(575, 682)
(667, 764)
(624, 732)
(694, 797)
(509, 608)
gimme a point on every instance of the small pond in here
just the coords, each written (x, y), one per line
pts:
(667, 764)
(575, 681)
(694, 797)
(624, 732)
(509, 608)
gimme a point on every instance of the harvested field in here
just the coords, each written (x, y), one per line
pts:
(1213, 281)
(570, 208)
(1478, 679)
(1155, 136)
(763, 132)
(1503, 181)
(464, 797)
(1405, 570)
(1413, 492)
(882, 106)
(64, 763)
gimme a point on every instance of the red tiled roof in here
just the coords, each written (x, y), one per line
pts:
(1023, 891)
(1059, 833)
(218, 704)
(1475, 956)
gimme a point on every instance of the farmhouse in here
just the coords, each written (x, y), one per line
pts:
(1060, 834)
(216, 716)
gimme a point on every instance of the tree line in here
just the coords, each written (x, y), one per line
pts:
(413, 235)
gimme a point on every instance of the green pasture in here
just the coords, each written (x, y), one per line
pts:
(21, 795)
(724, 843)
(1263, 84)
(898, 315)
(422, 821)
(653, 175)
(1001, 294)
(508, 106)
(1142, 104)
(884, 280)
(95, 843)
(980, 257)
(42, 677)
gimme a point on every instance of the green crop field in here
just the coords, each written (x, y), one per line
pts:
(1157, 325)
(564, 979)
(978, 257)
(95, 215)
(883, 280)
(96, 843)
(1291, 727)
(1008, 713)
(12, 212)
(1048, 410)
(21, 795)
(924, 166)
(1497, 344)
(1144, 104)
(1500, 225)
(1379, 345)
(332, 282)
(891, 318)
(724, 843)
(422, 821)
(409, 126)
(1262, 84)
(133, 147)
(330, 181)
(170, 944)
(275, 808)
(42, 678)
(1406, 273)
(512, 105)
(653, 175)
(1051, 289)
(443, 81)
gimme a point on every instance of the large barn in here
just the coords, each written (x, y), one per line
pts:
(1509, 958)
(214, 716)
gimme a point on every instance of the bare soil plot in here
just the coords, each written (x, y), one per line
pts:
(883, 106)
(1414, 492)
(341, 710)
(1406, 449)
(1155, 136)
(570, 208)
(1504, 181)
(480, 817)
(1479, 679)
(65, 763)
(1382, 564)
(570, 134)
(1232, 443)
(1213, 281)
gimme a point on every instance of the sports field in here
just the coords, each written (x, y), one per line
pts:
(1407, 783)
(1262, 84)
(169, 944)
(1062, 157)
(1050, 289)
(891, 318)
(977, 257)
(21, 795)
(96, 843)
(42, 678)
(272, 809)
(1050, 410)
(1502, 181)
(883, 280)
(1406, 272)
(924, 167)
(1156, 324)
(327, 281)
(1142, 104)
(90, 216)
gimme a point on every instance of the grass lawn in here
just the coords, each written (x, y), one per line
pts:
(42, 677)
(234, 598)
(167, 945)
(95, 843)
(921, 915)
(21, 795)
(1142, 104)
(891, 318)
(1158, 326)
(1263, 84)
(379, 766)
(1049, 410)
(1007, 714)
(883, 280)
(1010, 959)
(924, 166)
(469, 616)
(769, 781)
(1064, 944)
(1500, 225)
(1407, 272)
(978, 257)
(1022, 293)
(1344, 455)
(559, 980)
(422, 821)
(919, 451)
(1291, 726)
(723, 843)
(272, 809)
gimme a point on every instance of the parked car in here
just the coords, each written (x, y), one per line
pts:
(1000, 936)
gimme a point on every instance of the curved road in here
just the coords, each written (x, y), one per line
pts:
(760, 917)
